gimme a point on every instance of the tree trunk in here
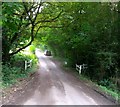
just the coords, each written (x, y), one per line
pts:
(5, 50)
(5, 58)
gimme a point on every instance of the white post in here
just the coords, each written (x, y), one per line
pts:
(76, 66)
(25, 65)
(80, 67)
(30, 63)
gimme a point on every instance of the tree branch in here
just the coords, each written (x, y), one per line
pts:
(21, 48)
(32, 39)
(27, 11)
(50, 20)
(47, 26)
(32, 35)
(38, 10)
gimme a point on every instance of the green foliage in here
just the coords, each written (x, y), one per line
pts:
(107, 83)
(21, 23)
(115, 94)
(32, 48)
(9, 74)
(91, 37)
(21, 58)
(78, 32)
(15, 69)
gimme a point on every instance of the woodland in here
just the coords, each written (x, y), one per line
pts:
(77, 32)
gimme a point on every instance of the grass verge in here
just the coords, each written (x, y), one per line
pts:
(106, 90)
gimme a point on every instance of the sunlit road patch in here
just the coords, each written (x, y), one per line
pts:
(54, 86)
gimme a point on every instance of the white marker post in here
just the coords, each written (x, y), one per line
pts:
(28, 64)
(80, 68)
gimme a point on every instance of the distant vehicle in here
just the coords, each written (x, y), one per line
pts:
(47, 53)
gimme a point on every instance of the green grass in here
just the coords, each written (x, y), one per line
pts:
(114, 94)
(110, 91)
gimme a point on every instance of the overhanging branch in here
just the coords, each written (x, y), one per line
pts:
(50, 20)
(22, 48)
(38, 10)
(32, 39)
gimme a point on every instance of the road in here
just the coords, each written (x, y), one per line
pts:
(54, 86)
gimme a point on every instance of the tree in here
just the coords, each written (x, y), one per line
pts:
(21, 23)
(91, 37)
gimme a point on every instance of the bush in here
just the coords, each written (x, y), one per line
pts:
(9, 74)
(108, 84)
(19, 59)
(32, 49)
(15, 69)
(104, 82)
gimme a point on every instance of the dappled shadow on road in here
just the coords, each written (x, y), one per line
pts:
(76, 91)
(52, 85)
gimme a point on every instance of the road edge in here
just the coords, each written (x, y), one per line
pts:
(94, 86)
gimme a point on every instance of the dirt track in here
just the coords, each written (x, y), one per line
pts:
(53, 86)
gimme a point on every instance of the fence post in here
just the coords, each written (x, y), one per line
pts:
(25, 65)
(28, 64)
(80, 68)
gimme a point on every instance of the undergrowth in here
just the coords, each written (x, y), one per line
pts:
(15, 69)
